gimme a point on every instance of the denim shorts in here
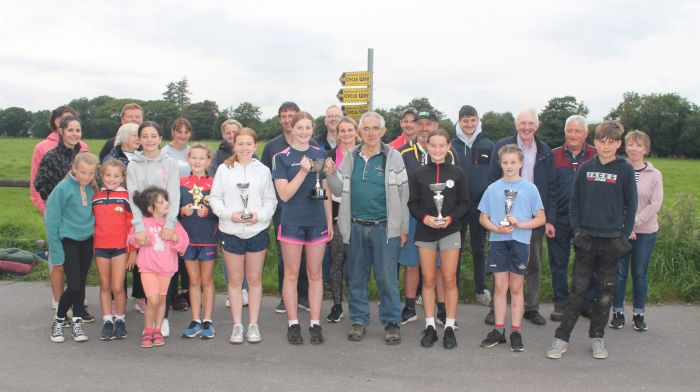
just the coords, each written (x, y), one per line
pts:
(201, 253)
(302, 235)
(108, 253)
(508, 256)
(236, 245)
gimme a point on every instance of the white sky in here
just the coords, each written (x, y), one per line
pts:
(494, 55)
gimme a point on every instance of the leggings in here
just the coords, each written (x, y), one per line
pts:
(78, 256)
(337, 262)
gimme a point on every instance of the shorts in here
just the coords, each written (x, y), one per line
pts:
(303, 235)
(452, 241)
(508, 256)
(108, 253)
(155, 283)
(236, 245)
(201, 252)
(408, 254)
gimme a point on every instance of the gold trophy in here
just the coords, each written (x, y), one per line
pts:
(197, 195)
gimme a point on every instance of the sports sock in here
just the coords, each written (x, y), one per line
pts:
(429, 321)
(515, 327)
(292, 322)
(119, 317)
(500, 328)
(107, 317)
(450, 322)
(314, 322)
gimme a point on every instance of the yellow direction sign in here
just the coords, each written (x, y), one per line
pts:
(360, 78)
(355, 111)
(353, 95)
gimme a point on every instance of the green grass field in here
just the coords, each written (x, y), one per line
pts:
(674, 270)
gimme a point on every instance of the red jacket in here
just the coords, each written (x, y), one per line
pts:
(112, 218)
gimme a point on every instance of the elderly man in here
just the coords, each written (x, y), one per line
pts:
(326, 140)
(373, 222)
(567, 159)
(538, 168)
(407, 123)
(132, 113)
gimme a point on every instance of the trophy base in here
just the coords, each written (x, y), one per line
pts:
(196, 207)
(505, 223)
(246, 216)
(318, 194)
(440, 222)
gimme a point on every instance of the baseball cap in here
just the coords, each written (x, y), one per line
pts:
(426, 114)
(408, 110)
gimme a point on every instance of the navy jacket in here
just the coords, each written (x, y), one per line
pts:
(475, 163)
(565, 166)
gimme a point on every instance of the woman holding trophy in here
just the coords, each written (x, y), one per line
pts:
(243, 198)
(439, 200)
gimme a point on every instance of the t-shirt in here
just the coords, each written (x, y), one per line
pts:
(300, 210)
(525, 205)
(181, 157)
(368, 196)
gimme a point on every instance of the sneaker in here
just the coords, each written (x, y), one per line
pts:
(557, 349)
(236, 335)
(638, 323)
(516, 342)
(441, 320)
(280, 307)
(484, 298)
(535, 317)
(494, 338)
(449, 341)
(87, 317)
(78, 333)
(294, 334)
(120, 329)
(336, 313)
(179, 304)
(357, 333)
(228, 302)
(57, 331)
(490, 318)
(165, 328)
(419, 300)
(556, 314)
(107, 331)
(65, 323)
(316, 334)
(208, 330)
(392, 333)
(140, 305)
(253, 334)
(617, 321)
(598, 346)
(244, 294)
(304, 304)
(194, 329)
(429, 337)
(408, 315)
(587, 313)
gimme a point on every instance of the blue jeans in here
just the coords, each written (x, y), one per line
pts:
(369, 248)
(642, 248)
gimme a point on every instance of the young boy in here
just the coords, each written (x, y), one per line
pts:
(510, 241)
(602, 210)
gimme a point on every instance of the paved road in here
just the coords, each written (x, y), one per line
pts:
(664, 358)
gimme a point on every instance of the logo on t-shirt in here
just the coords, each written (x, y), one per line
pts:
(601, 177)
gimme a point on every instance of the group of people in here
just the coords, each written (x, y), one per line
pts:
(343, 204)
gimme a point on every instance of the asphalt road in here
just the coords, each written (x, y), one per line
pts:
(664, 358)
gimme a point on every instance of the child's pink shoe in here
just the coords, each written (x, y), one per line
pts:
(158, 338)
(147, 338)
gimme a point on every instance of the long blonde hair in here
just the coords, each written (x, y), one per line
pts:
(241, 132)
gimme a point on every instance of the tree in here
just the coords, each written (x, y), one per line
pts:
(178, 93)
(106, 116)
(690, 136)
(160, 111)
(392, 116)
(14, 122)
(553, 118)
(38, 124)
(496, 126)
(247, 114)
(203, 116)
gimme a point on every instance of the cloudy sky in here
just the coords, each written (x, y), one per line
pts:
(494, 55)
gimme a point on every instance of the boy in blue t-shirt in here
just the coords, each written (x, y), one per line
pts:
(509, 242)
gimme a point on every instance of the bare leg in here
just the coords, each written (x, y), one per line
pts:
(253, 267)
(314, 264)
(517, 306)
(291, 254)
(427, 263)
(448, 258)
(104, 269)
(195, 288)
(206, 270)
(57, 277)
(234, 266)
(118, 266)
(499, 299)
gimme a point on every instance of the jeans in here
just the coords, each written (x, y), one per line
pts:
(369, 248)
(532, 282)
(559, 249)
(642, 248)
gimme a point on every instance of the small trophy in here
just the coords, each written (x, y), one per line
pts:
(510, 196)
(439, 199)
(197, 195)
(317, 192)
(243, 188)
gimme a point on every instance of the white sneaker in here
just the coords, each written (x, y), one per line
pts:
(484, 298)
(598, 346)
(237, 334)
(165, 328)
(253, 334)
(244, 293)
(228, 302)
(557, 349)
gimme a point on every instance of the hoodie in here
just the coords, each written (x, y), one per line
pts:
(161, 171)
(474, 156)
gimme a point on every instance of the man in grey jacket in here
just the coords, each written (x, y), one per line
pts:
(373, 221)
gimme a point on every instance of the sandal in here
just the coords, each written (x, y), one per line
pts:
(158, 338)
(147, 339)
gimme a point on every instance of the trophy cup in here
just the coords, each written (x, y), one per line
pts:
(197, 195)
(510, 196)
(438, 199)
(317, 192)
(243, 188)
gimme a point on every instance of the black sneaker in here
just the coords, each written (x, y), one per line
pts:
(449, 341)
(493, 339)
(294, 334)
(408, 315)
(316, 335)
(556, 314)
(120, 329)
(179, 304)
(516, 342)
(87, 317)
(107, 331)
(304, 304)
(535, 317)
(280, 307)
(429, 337)
(490, 318)
(441, 318)
(638, 323)
(336, 313)
(392, 333)
(617, 321)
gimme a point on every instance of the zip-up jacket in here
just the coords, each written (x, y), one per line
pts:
(475, 163)
(112, 218)
(650, 194)
(161, 171)
(201, 230)
(565, 167)
(415, 157)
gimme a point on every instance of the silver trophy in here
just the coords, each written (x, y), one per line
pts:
(317, 192)
(439, 198)
(243, 188)
(510, 196)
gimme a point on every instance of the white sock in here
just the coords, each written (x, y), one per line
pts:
(314, 322)
(292, 322)
(107, 317)
(205, 320)
(76, 319)
(197, 320)
(119, 317)
(430, 322)
(450, 322)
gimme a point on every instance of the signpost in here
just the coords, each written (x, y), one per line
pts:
(359, 89)
(353, 95)
(359, 78)
(355, 111)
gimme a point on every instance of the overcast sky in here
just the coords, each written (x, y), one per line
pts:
(494, 55)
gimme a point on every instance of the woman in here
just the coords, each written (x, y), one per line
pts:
(650, 195)
(225, 150)
(125, 143)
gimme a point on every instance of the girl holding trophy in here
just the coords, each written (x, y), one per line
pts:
(439, 200)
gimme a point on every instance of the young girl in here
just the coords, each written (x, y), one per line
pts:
(435, 234)
(157, 258)
(112, 225)
(69, 230)
(200, 224)
(244, 239)
(153, 167)
(305, 224)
